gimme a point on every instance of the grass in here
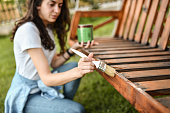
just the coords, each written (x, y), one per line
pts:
(94, 93)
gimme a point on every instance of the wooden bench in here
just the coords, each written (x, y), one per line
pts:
(139, 50)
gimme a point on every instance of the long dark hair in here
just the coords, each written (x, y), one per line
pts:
(61, 26)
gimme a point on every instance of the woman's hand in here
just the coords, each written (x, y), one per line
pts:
(88, 45)
(85, 65)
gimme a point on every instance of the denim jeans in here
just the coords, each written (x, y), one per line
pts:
(37, 104)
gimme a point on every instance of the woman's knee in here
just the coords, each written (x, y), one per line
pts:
(78, 108)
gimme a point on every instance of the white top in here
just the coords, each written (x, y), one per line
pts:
(27, 36)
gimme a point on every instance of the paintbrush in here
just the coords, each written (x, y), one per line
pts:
(99, 64)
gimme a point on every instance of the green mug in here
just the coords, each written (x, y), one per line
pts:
(85, 33)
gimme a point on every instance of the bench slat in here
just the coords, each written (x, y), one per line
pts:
(138, 60)
(150, 20)
(147, 75)
(128, 51)
(165, 34)
(142, 66)
(157, 87)
(129, 20)
(135, 19)
(159, 23)
(127, 55)
(125, 14)
(118, 48)
(140, 28)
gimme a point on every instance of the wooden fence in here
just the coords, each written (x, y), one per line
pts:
(11, 11)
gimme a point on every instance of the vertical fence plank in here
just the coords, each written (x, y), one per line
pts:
(4, 14)
(9, 11)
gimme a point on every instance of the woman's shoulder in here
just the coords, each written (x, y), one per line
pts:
(28, 27)
(27, 30)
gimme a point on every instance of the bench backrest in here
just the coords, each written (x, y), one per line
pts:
(143, 21)
(146, 22)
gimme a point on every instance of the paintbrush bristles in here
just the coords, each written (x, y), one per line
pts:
(110, 71)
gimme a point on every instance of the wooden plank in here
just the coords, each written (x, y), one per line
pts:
(1, 13)
(117, 48)
(137, 60)
(4, 15)
(147, 75)
(100, 13)
(128, 55)
(74, 25)
(120, 18)
(165, 101)
(127, 51)
(157, 87)
(123, 22)
(113, 42)
(165, 35)
(104, 23)
(129, 20)
(143, 102)
(6, 11)
(17, 15)
(11, 11)
(150, 20)
(135, 19)
(118, 43)
(142, 66)
(146, 7)
(159, 23)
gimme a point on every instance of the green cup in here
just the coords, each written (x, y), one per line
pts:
(85, 33)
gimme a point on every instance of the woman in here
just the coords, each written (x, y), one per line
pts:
(35, 89)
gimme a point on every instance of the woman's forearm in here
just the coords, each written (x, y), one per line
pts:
(59, 60)
(61, 78)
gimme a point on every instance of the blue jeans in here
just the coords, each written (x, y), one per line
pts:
(37, 104)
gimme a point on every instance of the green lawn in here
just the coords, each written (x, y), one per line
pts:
(94, 93)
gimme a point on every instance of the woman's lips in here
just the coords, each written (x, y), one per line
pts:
(54, 16)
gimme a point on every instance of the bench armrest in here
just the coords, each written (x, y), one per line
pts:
(98, 13)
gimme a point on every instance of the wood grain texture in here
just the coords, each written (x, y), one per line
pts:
(142, 21)
(159, 23)
(150, 20)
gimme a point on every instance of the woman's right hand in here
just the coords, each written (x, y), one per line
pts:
(85, 65)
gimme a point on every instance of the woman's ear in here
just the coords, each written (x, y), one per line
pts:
(38, 7)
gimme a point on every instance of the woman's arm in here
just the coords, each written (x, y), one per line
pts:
(85, 65)
(58, 60)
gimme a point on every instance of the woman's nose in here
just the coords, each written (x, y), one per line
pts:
(57, 9)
